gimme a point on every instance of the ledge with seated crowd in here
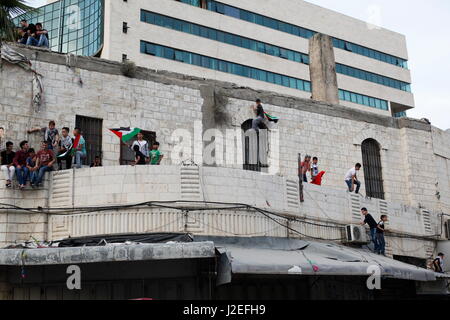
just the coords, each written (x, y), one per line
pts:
(29, 166)
(32, 34)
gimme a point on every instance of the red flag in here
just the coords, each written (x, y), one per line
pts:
(318, 179)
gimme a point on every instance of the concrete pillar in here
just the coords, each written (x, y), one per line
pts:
(323, 69)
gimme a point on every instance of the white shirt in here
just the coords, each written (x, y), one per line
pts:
(143, 147)
(350, 174)
(315, 170)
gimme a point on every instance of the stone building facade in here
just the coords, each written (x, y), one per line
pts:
(415, 156)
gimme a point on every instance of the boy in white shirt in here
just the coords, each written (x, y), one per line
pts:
(142, 144)
(351, 179)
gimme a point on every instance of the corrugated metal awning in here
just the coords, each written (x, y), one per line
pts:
(296, 257)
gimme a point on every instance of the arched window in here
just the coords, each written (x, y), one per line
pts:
(255, 146)
(372, 169)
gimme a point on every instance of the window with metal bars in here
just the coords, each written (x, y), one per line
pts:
(91, 130)
(373, 175)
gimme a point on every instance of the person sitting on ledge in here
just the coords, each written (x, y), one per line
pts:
(44, 163)
(20, 162)
(97, 162)
(7, 163)
(41, 36)
(31, 165)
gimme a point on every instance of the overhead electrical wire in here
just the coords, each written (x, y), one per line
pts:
(220, 206)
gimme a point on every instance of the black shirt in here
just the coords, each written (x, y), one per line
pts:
(31, 27)
(141, 157)
(260, 111)
(7, 158)
(370, 221)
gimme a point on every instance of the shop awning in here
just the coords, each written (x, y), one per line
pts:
(108, 253)
(307, 258)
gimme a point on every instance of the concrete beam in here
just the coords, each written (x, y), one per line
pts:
(322, 68)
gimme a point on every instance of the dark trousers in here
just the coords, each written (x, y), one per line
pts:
(381, 243)
(349, 184)
(373, 237)
(67, 158)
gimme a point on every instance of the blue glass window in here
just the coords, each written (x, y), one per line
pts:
(272, 23)
(232, 39)
(363, 100)
(224, 66)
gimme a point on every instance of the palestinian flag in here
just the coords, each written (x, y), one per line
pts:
(75, 145)
(126, 134)
(271, 118)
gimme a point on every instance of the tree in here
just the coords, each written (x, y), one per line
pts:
(8, 10)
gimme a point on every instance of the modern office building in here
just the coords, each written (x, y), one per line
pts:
(258, 44)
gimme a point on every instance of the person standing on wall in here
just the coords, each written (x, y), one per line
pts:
(143, 146)
(156, 156)
(140, 158)
(314, 168)
(370, 221)
(438, 263)
(259, 111)
(305, 168)
(351, 179)
(65, 145)
(380, 235)
(51, 134)
(79, 148)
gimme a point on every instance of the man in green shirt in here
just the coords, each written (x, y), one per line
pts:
(155, 155)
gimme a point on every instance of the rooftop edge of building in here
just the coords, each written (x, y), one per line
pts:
(227, 89)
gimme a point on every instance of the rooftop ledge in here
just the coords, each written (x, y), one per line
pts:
(222, 88)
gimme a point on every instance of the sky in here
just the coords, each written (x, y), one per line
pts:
(426, 25)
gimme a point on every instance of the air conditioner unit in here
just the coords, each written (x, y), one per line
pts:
(356, 234)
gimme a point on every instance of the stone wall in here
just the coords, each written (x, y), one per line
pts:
(415, 156)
